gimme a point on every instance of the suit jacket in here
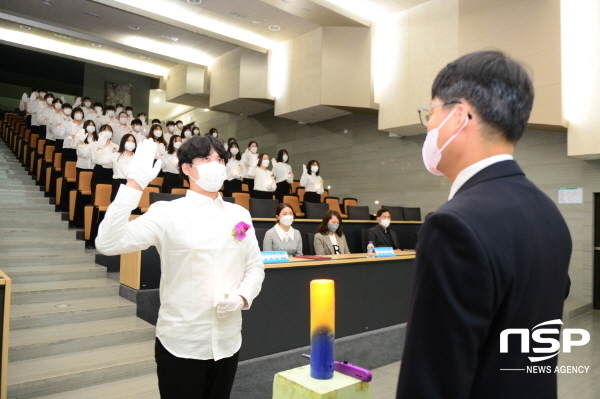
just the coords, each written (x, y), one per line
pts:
(377, 235)
(494, 257)
(323, 244)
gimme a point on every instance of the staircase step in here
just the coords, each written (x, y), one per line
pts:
(42, 208)
(45, 246)
(13, 235)
(41, 342)
(20, 193)
(32, 378)
(7, 199)
(63, 290)
(33, 315)
(10, 186)
(31, 216)
(144, 387)
(27, 223)
(35, 274)
(42, 259)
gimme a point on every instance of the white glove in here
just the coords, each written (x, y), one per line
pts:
(62, 98)
(77, 102)
(24, 98)
(35, 95)
(303, 169)
(140, 168)
(228, 305)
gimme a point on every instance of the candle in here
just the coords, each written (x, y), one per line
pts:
(322, 328)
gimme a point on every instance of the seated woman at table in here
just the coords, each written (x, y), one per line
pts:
(282, 237)
(329, 239)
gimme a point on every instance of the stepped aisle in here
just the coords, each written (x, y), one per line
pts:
(71, 335)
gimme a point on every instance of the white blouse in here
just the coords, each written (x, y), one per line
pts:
(170, 163)
(85, 154)
(250, 161)
(235, 169)
(264, 180)
(102, 154)
(120, 164)
(312, 183)
(70, 132)
(282, 172)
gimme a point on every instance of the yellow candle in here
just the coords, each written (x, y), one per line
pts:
(322, 327)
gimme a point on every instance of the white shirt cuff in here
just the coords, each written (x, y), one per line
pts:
(128, 197)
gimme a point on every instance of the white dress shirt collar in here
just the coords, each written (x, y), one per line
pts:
(283, 234)
(202, 199)
(471, 170)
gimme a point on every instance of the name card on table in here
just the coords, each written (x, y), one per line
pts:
(274, 256)
(384, 252)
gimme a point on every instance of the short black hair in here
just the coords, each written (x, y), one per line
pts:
(128, 108)
(309, 164)
(199, 147)
(156, 121)
(136, 122)
(48, 95)
(97, 104)
(169, 123)
(280, 155)
(76, 110)
(67, 105)
(110, 108)
(119, 105)
(382, 211)
(86, 98)
(497, 86)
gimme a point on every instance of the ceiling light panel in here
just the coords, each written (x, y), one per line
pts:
(10, 33)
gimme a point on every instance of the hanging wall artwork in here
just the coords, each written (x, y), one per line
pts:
(116, 93)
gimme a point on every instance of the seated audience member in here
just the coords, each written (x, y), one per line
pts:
(312, 182)
(282, 236)
(329, 239)
(170, 166)
(381, 235)
(264, 181)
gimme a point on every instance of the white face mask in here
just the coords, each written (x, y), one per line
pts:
(129, 146)
(234, 151)
(385, 223)
(137, 128)
(432, 155)
(196, 131)
(78, 117)
(333, 227)
(285, 158)
(58, 105)
(314, 169)
(212, 175)
(67, 111)
(87, 104)
(171, 128)
(90, 129)
(119, 110)
(177, 144)
(123, 121)
(35, 94)
(107, 135)
(180, 125)
(286, 220)
(129, 113)
(42, 95)
(98, 110)
(215, 134)
(110, 113)
(265, 163)
(254, 150)
(142, 118)
(157, 133)
(187, 133)
(49, 100)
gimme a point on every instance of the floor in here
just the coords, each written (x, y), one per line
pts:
(570, 386)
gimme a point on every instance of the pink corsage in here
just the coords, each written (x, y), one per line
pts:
(240, 229)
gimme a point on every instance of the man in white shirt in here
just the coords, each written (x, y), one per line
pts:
(121, 128)
(210, 264)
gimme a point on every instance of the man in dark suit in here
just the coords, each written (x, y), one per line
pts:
(381, 235)
(495, 256)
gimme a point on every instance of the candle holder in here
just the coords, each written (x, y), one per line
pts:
(322, 327)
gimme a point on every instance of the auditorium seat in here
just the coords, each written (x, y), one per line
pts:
(179, 191)
(294, 201)
(263, 208)
(295, 185)
(358, 213)
(315, 210)
(144, 203)
(52, 172)
(242, 199)
(260, 236)
(325, 195)
(300, 192)
(395, 212)
(412, 214)
(93, 214)
(65, 183)
(80, 196)
(334, 205)
(346, 202)
(43, 161)
(310, 241)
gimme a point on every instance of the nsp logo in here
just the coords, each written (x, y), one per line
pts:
(540, 335)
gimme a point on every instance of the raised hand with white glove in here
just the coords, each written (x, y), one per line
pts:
(77, 102)
(228, 305)
(81, 135)
(143, 169)
(24, 98)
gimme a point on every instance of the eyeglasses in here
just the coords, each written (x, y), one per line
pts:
(425, 115)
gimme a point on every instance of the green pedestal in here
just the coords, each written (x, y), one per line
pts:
(298, 384)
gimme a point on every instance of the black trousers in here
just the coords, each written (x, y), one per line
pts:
(250, 183)
(180, 378)
(311, 196)
(262, 194)
(283, 188)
